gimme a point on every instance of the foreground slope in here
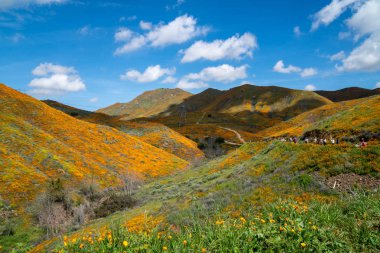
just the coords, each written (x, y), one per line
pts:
(349, 93)
(359, 117)
(39, 143)
(264, 196)
(148, 104)
(155, 134)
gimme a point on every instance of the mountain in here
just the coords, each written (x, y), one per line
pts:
(39, 143)
(348, 93)
(246, 108)
(353, 118)
(148, 104)
(156, 134)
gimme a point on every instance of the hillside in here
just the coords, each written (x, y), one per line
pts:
(39, 143)
(348, 93)
(271, 194)
(352, 118)
(148, 104)
(156, 134)
(254, 99)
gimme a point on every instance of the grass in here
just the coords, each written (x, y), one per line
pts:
(255, 178)
(348, 225)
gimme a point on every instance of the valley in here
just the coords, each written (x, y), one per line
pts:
(134, 180)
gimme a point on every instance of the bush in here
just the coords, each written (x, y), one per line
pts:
(115, 202)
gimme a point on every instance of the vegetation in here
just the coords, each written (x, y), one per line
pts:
(74, 186)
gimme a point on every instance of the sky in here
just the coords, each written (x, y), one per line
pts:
(91, 54)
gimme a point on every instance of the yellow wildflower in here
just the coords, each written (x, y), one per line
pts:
(262, 221)
(271, 221)
(242, 219)
(204, 250)
(125, 244)
(314, 228)
(184, 242)
(303, 245)
(170, 237)
(164, 248)
(81, 246)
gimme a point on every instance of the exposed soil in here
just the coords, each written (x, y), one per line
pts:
(350, 181)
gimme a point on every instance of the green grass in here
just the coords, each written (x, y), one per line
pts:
(348, 225)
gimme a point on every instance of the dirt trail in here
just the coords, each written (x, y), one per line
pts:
(235, 132)
(201, 118)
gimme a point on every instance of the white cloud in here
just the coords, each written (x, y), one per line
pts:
(378, 85)
(310, 87)
(236, 47)
(45, 69)
(55, 79)
(93, 100)
(151, 73)
(364, 22)
(145, 25)
(309, 72)
(180, 30)
(132, 45)
(280, 68)
(190, 85)
(297, 31)
(330, 12)
(338, 56)
(224, 73)
(169, 79)
(123, 34)
(11, 4)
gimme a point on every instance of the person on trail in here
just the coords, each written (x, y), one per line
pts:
(332, 141)
(307, 140)
(315, 140)
(324, 141)
(337, 140)
(295, 139)
(363, 143)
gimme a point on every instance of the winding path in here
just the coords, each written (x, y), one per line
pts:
(235, 132)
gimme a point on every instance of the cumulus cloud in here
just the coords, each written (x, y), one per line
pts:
(151, 74)
(224, 74)
(364, 27)
(236, 47)
(280, 68)
(12, 4)
(88, 30)
(55, 79)
(178, 31)
(365, 22)
(378, 85)
(338, 56)
(145, 25)
(123, 34)
(330, 12)
(310, 87)
(309, 72)
(169, 79)
(190, 85)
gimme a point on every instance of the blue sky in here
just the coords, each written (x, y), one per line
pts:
(91, 54)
